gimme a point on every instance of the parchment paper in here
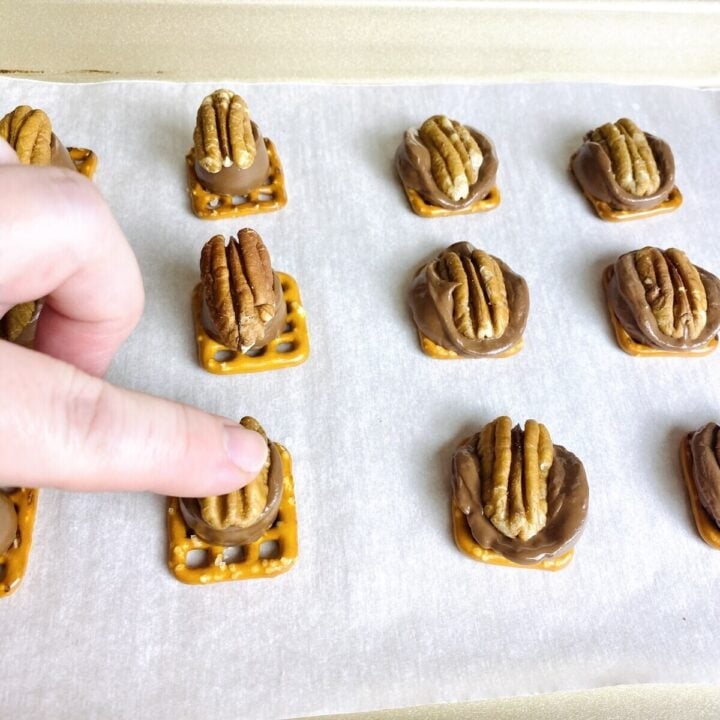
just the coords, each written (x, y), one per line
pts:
(382, 610)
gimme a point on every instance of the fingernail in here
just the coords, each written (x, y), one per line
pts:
(246, 449)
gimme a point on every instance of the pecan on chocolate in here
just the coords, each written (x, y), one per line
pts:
(455, 157)
(223, 133)
(514, 470)
(242, 294)
(631, 156)
(481, 305)
(239, 508)
(29, 132)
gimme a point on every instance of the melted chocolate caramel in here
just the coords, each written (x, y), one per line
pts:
(567, 503)
(705, 452)
(190, 508)
(234, 180)
(432, 303)
(592, 168)
(412, 161)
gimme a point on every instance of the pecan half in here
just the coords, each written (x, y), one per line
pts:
(455, 156)
(514, 470)
(29, 132)
(240, 508)
(673, 290)
(631, 157)
(16, 319)
(481, 304)
(239, 288)
(223, 133)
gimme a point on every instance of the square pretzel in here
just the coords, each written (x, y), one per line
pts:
(251, 563)
(290, 348)
(440, 353)
(467, 545)
(605, 212)
(638, 349)
(14, 561)
(85, 161)
(420, 207)
(270, 196)
(706, 526)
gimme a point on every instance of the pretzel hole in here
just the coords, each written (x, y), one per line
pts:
(234, 554)
(197, 558)
(255, 352)
(264, 196)
(239, 200)
(285, 347)
(222, 356)
(270, 550)
(214, 203)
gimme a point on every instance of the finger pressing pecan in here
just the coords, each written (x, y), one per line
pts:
(223, 133)
(631, 157)
(481, 304)
(515, 467)
(454, 155)
(240, 508)
(673, 290)
(239, 288)
(29, 132)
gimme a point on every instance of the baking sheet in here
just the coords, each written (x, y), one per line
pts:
(382, 610)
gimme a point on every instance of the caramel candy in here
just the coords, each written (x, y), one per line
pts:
(244, 306)
(447, 165)
(523, 499)
(661, 301)
(625, 172)
(241, 516)
(469, 303)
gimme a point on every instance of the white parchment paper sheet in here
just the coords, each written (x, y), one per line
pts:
(381, 609)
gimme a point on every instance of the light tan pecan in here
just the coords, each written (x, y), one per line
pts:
(239, 288)
(514, 470)
(480, 300)
(29, 132)
(673, 290)
(240, 508)
(631, 157)
(455, 157)
(223, 133)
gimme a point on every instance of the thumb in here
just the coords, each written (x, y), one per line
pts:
(62, 428)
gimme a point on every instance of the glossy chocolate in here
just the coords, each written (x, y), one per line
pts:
(412, 161)
(567, 504)
(432, 303)
(8, 523)
(705, 452)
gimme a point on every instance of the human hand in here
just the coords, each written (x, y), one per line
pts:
(60, 424)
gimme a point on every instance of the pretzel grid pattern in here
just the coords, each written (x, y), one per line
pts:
(440, 353)
(467, 545)
(270, 196)
(85, 161)
(182, 540)
(290, 348)
(420, 207)
(636, 349)
(14, 561)
(706, 526)
(605, 212)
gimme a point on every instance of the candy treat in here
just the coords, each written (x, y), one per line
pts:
(447, 168)
(700, 462)
(518, 500)
(17, 517)
(248, 533)
(467, 303)
(232, 170)
(247, 317)
(661, 304)
(29, 132)
(626, 173)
